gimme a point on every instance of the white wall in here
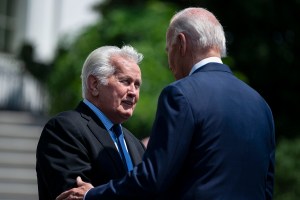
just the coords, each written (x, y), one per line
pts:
(47, 20)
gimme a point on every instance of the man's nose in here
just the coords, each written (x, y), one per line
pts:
(132, 90)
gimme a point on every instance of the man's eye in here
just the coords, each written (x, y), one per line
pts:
(126, 82)
(137, 85)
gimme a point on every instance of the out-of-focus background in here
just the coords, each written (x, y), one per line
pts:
(43, 45)
(30, 34)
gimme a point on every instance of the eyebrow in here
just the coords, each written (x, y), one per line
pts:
(129, 77)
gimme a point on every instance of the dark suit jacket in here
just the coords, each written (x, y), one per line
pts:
(213, 138)
(75, 143)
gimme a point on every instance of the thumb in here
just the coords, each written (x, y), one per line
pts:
(79, 181)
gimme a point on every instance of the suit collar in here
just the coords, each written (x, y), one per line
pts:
(213, 67)
(93, 123)
(204, 62)
(87, 113)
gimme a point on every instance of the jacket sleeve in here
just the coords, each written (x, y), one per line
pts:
(60, 158)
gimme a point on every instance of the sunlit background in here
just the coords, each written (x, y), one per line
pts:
(43, 44)
(29, 30)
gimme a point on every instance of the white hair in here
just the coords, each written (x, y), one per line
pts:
(202, 26)
(98, 63)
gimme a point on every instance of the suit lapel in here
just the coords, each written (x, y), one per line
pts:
(109, 147)
(133, 151)
(98, 130)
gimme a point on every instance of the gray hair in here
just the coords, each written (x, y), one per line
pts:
(98, 63)
(202, 26)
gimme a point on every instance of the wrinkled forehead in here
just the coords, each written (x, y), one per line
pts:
(119, 61)
(125, 64)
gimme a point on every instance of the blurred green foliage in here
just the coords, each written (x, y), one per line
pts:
(262, 46)
(261, 41)
(144, 28)
(287, 179)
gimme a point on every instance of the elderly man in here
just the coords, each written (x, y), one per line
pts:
(90, 141)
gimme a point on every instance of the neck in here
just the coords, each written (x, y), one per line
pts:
(204, 53)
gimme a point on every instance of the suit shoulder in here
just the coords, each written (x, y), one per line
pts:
(177, 87)
(65, 115)
(64, 118)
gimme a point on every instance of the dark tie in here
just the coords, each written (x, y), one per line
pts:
(121, 145)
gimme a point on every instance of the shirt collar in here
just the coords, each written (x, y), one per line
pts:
(204, 62)
(107, 123)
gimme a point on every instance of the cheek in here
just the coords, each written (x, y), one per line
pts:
(170, 61)
(137, 97)
(121, 94)
(170, 64)
(118, 92)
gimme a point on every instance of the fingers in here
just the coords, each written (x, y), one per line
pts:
(64, 195)
(75, 193)
(79, 181)
(69, 195)
(83, 185)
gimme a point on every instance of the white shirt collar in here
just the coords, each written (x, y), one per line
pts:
(204, 62)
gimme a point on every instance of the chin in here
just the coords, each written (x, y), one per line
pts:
(127, 115)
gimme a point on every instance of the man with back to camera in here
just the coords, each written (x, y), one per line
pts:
(213, 135)
(81, 142)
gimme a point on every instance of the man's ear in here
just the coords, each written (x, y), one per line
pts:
(182, 43)
(93, 85)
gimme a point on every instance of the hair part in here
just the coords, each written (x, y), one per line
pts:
(99, 63)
